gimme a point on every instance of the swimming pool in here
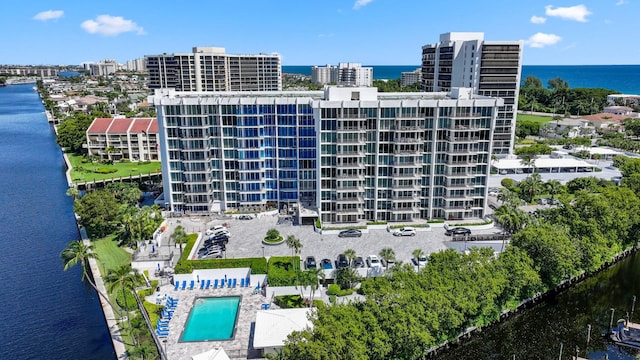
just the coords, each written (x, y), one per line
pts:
(212, 318)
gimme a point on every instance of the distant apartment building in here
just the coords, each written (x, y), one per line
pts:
(345, 154)
(345, 74)
(137, 65)
(105, 67)
(490, 68)
(121, 138)
(42, 71)
(211, 69)
(410, 77)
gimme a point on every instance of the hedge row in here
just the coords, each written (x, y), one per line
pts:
(186, 266)
(282, 270)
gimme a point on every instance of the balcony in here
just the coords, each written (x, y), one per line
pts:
(351, 199)
(350, 177)
(404, 198)
(356, 211)
(459, 185)
(350, 189)
(407, 175)
(349, 165)
(405, 210)
(413, 186)
(408, 140)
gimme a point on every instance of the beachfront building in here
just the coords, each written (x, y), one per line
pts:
(490, 68)
(347, 154)
(410, 77)
(345, 74)
(103, 68)
(211, 69)
(120, 138)
(41, 71)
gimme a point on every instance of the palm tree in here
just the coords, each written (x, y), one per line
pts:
(350, 254)
(508, 197)
(317, 275)
(143, 351)
(73, 192)
(137, 327)
(511, 219)
(295, 245)
(179, 236)
(77, 252)
(530, 186)
(125, 278)
(387, 254)
(554, 187)
(528, 161)
(417, 254)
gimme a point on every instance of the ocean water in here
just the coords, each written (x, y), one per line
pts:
(620, 78)
(47, 313)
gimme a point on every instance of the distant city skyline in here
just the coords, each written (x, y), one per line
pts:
(371, 32)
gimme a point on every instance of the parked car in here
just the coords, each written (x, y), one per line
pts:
(217, 239)
(310, 263)
(405, 231)
(373, 261)
(245, 217)
(350, 233)
(326, 264)
(421, 261)
(213, 255)
(358, 262)
(458, 231)
(216, 229)
(342, 261)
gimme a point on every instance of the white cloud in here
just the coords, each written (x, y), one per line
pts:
(540, 40)
(360, 3)
(621, 2)
(577, 12)
(108, 25)
(48, 15)
(538, 19)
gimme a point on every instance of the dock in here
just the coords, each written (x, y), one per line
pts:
(626, 334)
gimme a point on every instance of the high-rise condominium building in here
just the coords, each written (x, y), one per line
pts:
(211, 69)
(346, 74)
(490, 68)
(103, 68)
(410, 77)
(349, 154)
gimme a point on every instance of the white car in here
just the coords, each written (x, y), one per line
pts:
(373, 261)
(405, 231)
(216, 229)
(422, 261)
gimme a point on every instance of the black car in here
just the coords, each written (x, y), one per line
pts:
(342, 262)
(350, 233)
(311, 262)
(245, 217)
(358, 262)
(458, 231)
(217, 241)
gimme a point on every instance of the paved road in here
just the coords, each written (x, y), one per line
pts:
(247, 235)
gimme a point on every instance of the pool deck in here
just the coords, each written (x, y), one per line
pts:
(240, 347)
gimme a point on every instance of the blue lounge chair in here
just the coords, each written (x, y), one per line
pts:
(242, 282)
(208, 284)
(162, 334)
(235, 282)
(248, 282)
(215, 284)
(201, 284)
(162, 323)
(221, 283)
(177, 285)
(184, 284)
(229, 283)
(191, 284)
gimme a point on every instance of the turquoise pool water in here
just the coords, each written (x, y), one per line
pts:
(212, 318)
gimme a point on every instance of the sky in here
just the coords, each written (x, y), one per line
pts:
(314, 32)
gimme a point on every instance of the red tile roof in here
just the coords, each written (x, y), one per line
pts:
(99, 126)
(122, 126)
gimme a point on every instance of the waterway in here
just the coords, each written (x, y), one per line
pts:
(46, 313)
(539, 332)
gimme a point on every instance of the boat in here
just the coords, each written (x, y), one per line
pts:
(626, 334)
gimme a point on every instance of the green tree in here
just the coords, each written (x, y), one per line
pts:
(387, 254)
(273, 234)
(532, 82)
(76, 253)
(524, 281)
(417, 254)
(99, 212)
(350, 254)
(347, 277)
(122, 278)
(512, 219)
(557, 84)
(143, 351)
(553, 253)
(530, 187)
(179, 237)
(554, 187)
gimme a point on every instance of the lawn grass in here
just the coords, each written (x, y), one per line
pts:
(534, 118)
(110, 255)
(81, 172)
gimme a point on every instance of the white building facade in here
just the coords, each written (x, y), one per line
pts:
(490, 68)
(105, 67)
(352, 153)
(410, 77)
(345, 74)
(211, 69)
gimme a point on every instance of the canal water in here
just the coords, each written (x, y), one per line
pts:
(539, 332)
(46, 313)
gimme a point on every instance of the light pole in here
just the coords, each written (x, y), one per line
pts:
(165, 349)
(263, 251)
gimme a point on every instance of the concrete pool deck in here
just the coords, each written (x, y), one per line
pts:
(240, 347)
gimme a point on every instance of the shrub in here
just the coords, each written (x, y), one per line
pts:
(257, 265)
(104, 171)
(318, 224)
(272, 234)
(281, 271)
(508, 183)
(274, 241)
(334, 289)
(377, 223)
(147, 292)
(131, 300)
(289, 301)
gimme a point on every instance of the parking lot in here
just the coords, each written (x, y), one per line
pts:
(246, 239)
